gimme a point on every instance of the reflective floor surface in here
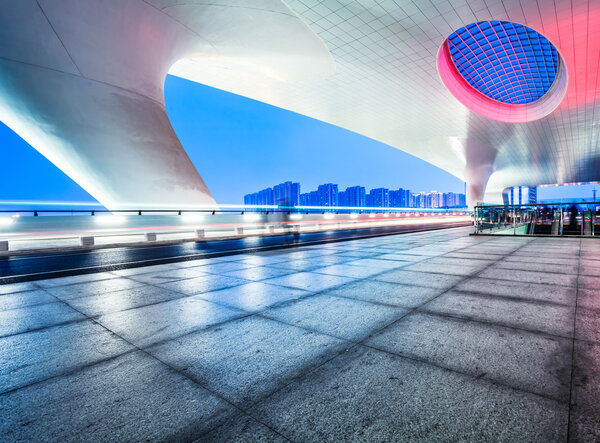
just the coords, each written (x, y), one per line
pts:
(424, 336)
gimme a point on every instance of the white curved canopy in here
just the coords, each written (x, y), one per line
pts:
(82, 82)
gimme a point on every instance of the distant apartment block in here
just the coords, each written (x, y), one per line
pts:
(379, 198)
(328, 194)
(283, 194)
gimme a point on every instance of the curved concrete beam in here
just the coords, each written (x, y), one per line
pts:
(82, 82)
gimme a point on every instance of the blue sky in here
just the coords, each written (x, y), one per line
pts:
(240, 146)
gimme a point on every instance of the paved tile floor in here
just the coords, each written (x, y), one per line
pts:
(425, 336)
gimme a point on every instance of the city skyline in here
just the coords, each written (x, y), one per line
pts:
(329, 195)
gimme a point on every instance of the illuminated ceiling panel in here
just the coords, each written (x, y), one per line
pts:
(505, 61)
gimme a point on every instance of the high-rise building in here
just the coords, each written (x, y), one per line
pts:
(451, 199)
(355, 196)
(314, 199)
(328, 194)
(421, 200)
(379, 198)
(400, 198)
(305, 199)
(286, 194)
(251, 199)
(342, 198)
(435, 199)
(265, 197)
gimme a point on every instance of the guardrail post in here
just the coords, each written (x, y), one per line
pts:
(271, 229)
(3, 246)
(200, 233)
(86, 241)
(239, 230)
(150, 236)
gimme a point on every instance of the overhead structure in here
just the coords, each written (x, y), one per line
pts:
(496, 92)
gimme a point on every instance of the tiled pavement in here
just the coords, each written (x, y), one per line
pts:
(425, 336)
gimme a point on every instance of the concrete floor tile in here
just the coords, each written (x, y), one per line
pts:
(446, 269)
(590, 269)
(528, 361)
(506, 288)
(147, 269)
(348, 270)
(573, 261)
(559, 268)
(100, 304)
(202, 284)
(375, 264)
(39, 355)
(245, 360)
(427, 279)
(262, 260)
(341, 317)
(588, 298)
(309, 281)
(402, 257)
(23, 299)
(155, 278)
(585, 413)
(224, 267)
(387, 293)
(93, 288)
(461, 261)
(84, 278)
(362, 254)
(530, 276)
(242, 428)
(366, 395)
(331, 260)
(532, 316)
(15, 321)
(300, 265)
(197, 263)
(587, 325)
(588, 282)
(259, 273)
(473, 255)
(12, 288)
(253, 297)
(130, 398)
(429, 251)
(164, 321)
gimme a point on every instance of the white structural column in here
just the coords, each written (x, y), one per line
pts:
(82, 82)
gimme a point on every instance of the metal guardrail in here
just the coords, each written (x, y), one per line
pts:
(28, 229)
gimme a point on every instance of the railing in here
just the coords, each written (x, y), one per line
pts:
(40, 229)
(546, 219)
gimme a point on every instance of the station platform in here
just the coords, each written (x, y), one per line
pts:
(435, 335)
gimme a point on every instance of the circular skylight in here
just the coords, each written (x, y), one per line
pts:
(505, 61)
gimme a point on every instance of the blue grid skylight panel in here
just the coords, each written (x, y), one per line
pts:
(504, 61)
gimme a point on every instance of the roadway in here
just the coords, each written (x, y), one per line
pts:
(36, 266)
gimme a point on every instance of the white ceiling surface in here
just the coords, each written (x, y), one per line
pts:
(82, 82)
(386, 86)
